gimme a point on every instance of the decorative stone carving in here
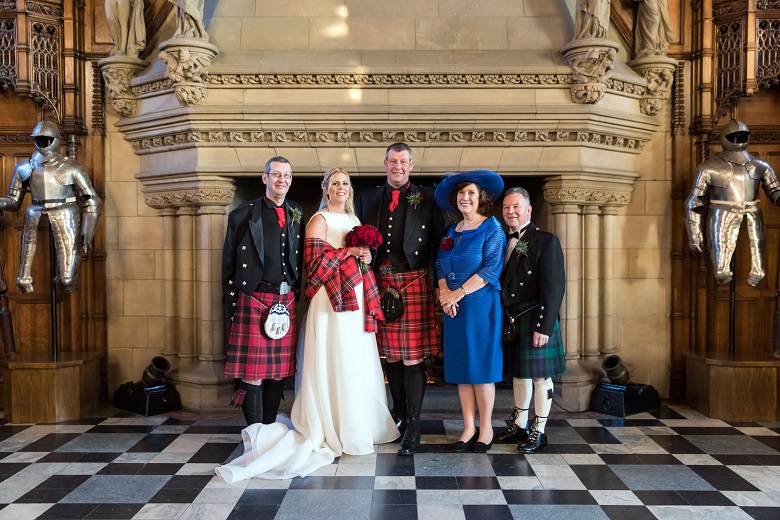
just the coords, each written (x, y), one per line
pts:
(189, 197)
(591, 61)
(369, 137)
(590, 196)
(189, 19)
(118, 71)
(188, 61)
(659, 73)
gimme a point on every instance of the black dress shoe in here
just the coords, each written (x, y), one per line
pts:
(512, 435)
(463, 446)
(481, 447)
(410, 442)
(536, 441)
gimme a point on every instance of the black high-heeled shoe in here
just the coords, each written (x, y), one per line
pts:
(461, 446)
(481, 447)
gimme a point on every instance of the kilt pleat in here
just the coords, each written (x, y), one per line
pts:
(413, 335)
(250, 353)
(523, 361)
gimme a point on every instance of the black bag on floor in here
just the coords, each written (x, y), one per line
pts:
(147, 400)
(624, 400)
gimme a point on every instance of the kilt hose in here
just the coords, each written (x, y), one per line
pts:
(413, 335)
(523, 361)
(250, 353)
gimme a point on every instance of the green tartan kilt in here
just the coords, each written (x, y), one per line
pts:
(523, 361)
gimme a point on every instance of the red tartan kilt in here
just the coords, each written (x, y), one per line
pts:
(413, 335)
(250, 353)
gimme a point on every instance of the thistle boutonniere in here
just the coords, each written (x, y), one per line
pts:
(296, 215)
(522, 247)
(415, 199)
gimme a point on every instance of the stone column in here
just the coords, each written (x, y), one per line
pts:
(194, 217)
(592, 283)
(608, 218)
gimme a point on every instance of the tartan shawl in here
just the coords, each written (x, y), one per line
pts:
(339, 273)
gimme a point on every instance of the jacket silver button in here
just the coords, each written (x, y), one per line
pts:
(529, 272)
(512, 295)
(542, 307)
(244, 266)
(243, 248)
(521, 284)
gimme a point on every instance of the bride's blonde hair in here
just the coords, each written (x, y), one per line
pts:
(349, 207)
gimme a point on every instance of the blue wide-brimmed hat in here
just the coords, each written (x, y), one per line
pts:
(488, 180)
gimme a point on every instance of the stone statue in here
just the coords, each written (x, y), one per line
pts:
(592, 19)
(126, 26)
(652, 32)
(189, 19)
(727, 188)
(60, 189)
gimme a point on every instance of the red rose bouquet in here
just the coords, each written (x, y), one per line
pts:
(446, 244)
(365, 235)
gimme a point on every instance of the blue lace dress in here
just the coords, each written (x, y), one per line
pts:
(472, 339)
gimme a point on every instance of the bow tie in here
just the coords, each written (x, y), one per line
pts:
(515, 234)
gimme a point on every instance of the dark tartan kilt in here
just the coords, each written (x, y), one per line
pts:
(413, 335)
(523, 361)
(250, 353)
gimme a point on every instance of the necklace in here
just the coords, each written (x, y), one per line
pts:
(467, 225)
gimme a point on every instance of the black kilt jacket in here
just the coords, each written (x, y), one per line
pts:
(535, 278)
(423, 228)
(243, 252)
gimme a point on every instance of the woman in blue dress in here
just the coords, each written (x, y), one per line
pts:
(468, 268)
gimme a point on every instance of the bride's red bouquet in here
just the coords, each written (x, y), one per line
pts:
(365, 235)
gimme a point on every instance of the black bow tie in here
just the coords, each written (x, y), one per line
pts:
(515, 234)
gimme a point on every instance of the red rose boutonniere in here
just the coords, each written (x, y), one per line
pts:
(415, 199)
(364, 236)
(446, 244)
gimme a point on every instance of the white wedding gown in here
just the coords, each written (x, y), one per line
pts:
(341, 406)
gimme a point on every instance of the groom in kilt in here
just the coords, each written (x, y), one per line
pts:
(411, 226)
(261, 276)
(533, 283)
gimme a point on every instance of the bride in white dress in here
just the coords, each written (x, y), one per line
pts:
(341, 406)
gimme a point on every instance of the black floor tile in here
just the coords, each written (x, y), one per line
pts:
(772, 442)
(595, 435)
(593, 471)
(114, 511)
(572, 448)
(67, 511)
(658, 459)
(487, 512)
(188, 482)
(763, 513)
(614, 422)
(548, 497)
(394, 496)
(432, 427)
(511, 466)
(770, 460)
(731, 484)
(676, 444)
(50, 442)
(196, 429)
(123, 428)
(739, 460)
(63, 456)
(660, 498)
(63, 481)
(43, 496)
(160, 469)
(436, 483)
(393, 511)
(469, 482)
(273, 497)
(121, 469)
(98, 457)
(619, 458)
(705, 498)
(700, 430)
(603, 483)
(625, 512)
(253, 511)
(666, 413)
(175, 496)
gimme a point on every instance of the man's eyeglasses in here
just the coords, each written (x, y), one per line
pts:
(280, 175)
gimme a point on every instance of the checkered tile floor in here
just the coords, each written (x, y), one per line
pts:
(672, 464)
